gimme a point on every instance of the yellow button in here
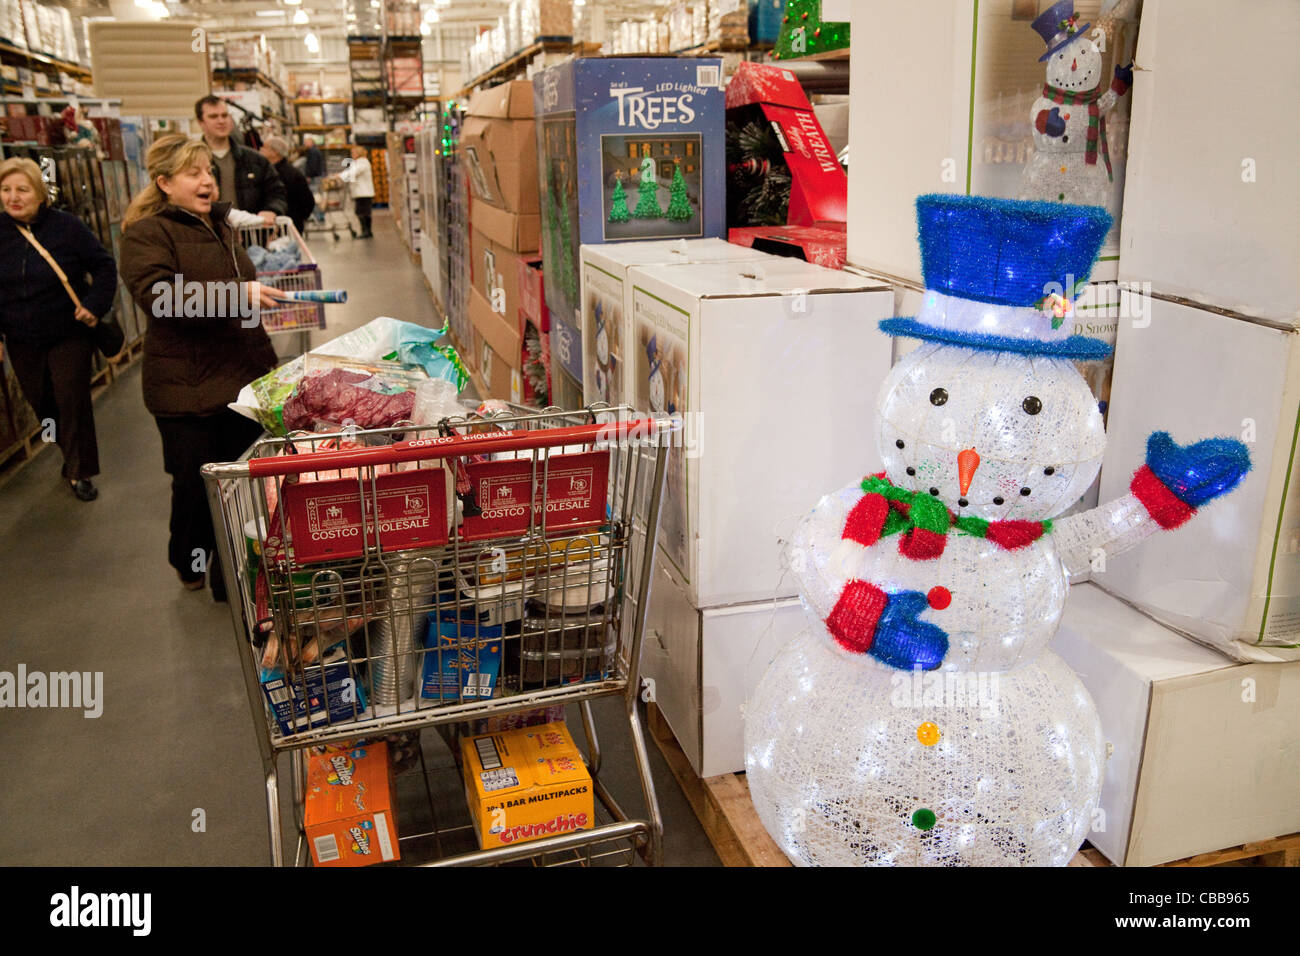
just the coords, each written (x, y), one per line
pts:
(928, 734)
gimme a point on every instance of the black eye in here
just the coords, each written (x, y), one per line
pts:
(1049, 470)
(997, 501)
(899, 443)
(911, 471)
(938, 396)
(1032, 405)
(1024, 491)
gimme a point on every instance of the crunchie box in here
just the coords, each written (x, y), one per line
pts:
(526, 784)
(348, 815)
(628, 148)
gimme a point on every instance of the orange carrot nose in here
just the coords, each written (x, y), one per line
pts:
(967, 462)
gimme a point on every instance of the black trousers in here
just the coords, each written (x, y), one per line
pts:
(361, 206)
(56, 381)
(189, 442)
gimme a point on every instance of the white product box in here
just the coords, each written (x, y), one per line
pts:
(975, 85)
(773, 366)
(1201, 745)
(1231, 575)
(1211, 217)
(603, 270)
(705, 664)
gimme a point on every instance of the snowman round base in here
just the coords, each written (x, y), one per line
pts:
(854, 764)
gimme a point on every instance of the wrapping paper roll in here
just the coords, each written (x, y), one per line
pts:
(333, 296)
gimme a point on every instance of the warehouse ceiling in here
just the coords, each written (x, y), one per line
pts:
(329, 16)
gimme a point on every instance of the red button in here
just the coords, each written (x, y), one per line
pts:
(939, 598)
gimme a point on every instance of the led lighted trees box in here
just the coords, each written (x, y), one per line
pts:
(628, 148)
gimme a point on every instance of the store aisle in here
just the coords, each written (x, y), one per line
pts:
(169, 773)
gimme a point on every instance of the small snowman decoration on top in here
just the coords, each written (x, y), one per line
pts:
(603, 370)
(952, 560)
(1071, 161)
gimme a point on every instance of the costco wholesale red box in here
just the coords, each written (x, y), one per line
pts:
(819, 188)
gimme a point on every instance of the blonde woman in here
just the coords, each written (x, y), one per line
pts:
(184, 266)
(47, 335)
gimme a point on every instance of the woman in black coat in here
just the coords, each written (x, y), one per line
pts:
(47, 336)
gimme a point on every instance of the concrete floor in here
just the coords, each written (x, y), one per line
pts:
(170, 774)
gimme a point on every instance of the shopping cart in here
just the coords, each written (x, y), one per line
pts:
(297, 318)
(332, 201)
(338, 549)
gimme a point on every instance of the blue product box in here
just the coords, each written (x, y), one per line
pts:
(765, 20)
(461, 654)
(629, 148)
(332, 692)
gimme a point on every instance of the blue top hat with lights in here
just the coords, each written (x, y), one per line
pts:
(1058, 25)
(1000, 273)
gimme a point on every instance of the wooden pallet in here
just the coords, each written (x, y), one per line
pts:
(727, 814)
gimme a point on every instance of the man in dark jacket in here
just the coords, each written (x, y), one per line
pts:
(315, 159)
(299, 194)
(256, 187)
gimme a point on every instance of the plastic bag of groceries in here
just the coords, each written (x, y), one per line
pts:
(381, 339)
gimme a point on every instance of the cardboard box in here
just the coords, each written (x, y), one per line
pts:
(495, 275)
(462, 657)
(1202, 215)
(510, 230)
(771, 96)
(1230, 577)
(706, 663)
(611, 123)
(320, 695)
(824, 244)
(526, 784)
(764, 360)
(502, 333)
(967, 106)
(498, 147)
(532, 294)
(349, 816)
(607, 307)
(1200, 744)
(499, 370)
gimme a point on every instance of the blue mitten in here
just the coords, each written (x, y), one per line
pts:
(1125, 75)
(902, 640)
(1197, 473)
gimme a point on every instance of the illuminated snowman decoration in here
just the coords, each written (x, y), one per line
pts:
(921, 719)
(1071, 161)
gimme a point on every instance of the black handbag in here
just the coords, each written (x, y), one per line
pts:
(106, 333)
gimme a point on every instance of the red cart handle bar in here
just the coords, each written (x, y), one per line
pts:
(456, 446)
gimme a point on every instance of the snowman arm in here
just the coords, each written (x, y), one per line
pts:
(1107, 101)
(1164, 493)
(1109, 529)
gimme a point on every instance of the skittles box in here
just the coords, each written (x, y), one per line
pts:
(526, 784)
(349, 816)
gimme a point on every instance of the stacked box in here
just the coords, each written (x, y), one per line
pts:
(497, 154)
(629, 148)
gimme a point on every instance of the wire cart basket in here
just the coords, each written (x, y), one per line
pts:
(291, 317)
(332, 201)
(342, 551)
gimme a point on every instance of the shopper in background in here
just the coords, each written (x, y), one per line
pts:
(363, 188)
(193, 364)
(47, 335)
(297, 192)
(256, 187)
(314, 170)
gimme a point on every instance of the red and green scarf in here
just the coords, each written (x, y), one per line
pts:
(924, 522)
(1096, 122)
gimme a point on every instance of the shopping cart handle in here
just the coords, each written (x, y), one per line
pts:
(456, 446)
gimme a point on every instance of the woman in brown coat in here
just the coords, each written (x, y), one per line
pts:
(185, 268)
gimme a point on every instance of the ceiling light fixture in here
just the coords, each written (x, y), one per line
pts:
(424, 30)
(300, 17)
(269, 13)
(293, 3)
